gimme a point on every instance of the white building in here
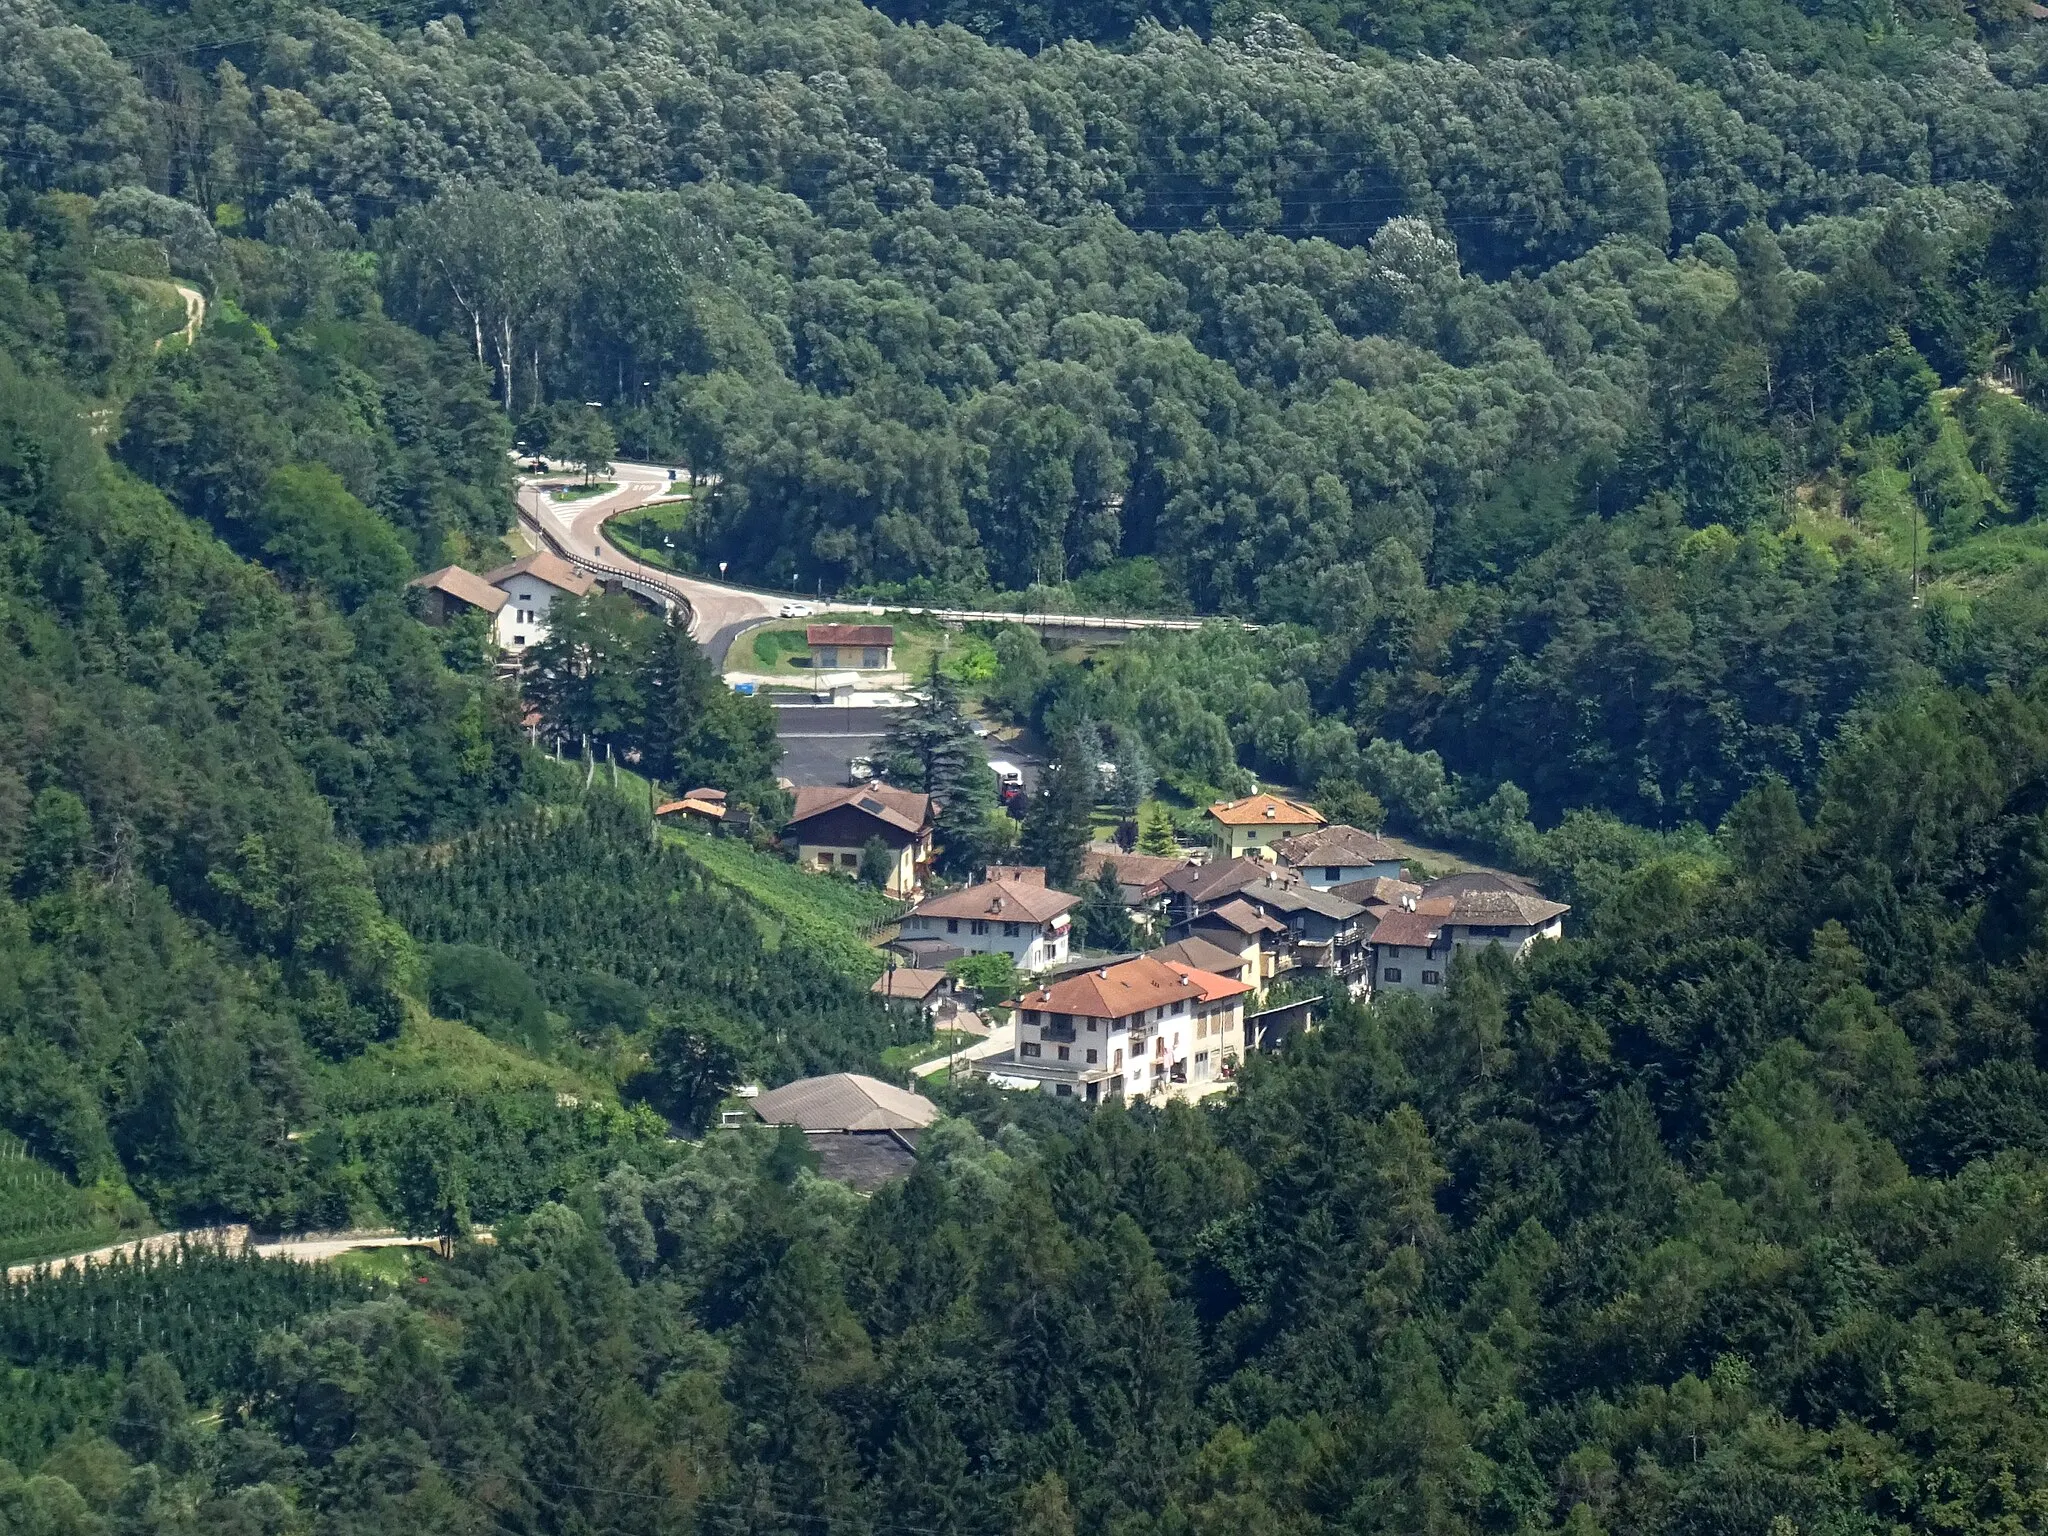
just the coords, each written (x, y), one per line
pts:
(1142, 1029)
(1018, 916)
(1332, 856)
(532, 586)
(1412, 943)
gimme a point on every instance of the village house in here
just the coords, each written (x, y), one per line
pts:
(864, 1131)
(1257, 823)
(451, 591)
(1140, 879)
(532, 586)
(1204, 956)
(1246, 902)
(1020, 917)
(933, 993)
(851, 647)
(1141, 1029)
(832, 824)
(703, 808)
(1339, 855)
(1412, 941)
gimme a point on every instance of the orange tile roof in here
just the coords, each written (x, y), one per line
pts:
(1117, 991)
(1262, 810)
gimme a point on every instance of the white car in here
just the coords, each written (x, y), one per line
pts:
(796, 610)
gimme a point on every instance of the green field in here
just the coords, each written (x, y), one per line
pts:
(826, 913)
(902, 1058)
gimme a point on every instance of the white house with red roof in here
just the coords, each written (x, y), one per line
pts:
(1142, 1029)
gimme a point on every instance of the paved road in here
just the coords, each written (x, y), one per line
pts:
(718, 611)
(314, 1249)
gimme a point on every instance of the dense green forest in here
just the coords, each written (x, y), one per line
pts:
(1624, 425)
(1596, 389)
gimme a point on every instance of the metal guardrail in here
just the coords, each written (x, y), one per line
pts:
(652, 587)
(1063, 620)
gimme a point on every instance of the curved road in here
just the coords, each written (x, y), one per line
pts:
(720, 610)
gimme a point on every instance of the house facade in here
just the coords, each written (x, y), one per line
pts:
(1144, 1029)
(1412, 942)
(1025, 920)
(1256, 824)
(832, 826)
(1339, 855)
(1272, 917)
(532, 586)
(851, 647)
(1140, 879)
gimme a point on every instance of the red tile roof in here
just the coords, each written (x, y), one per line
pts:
(1336, 845)
(1117, 991)
(849, 634)
(1261, 810)
(464, 586)
(1416, 930)
(544, 566)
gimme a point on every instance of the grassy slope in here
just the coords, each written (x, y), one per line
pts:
(826, 913)
(435, 1060)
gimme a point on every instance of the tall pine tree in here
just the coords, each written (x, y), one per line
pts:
(934, 745)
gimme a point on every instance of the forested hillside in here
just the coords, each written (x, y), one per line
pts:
(1723, 1217)
(1625, 426)
(1599, 389)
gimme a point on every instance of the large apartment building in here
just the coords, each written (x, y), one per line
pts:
(1141, 1029)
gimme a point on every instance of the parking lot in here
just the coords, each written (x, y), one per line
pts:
(818, 740)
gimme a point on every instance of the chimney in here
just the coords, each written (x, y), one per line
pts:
(1102, 974)
(1408, 902)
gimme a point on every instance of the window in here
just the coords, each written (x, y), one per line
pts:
(1029, 1048)
(1117, 1058)
(1066, 1054)
(1390, 973)
(1009, 930)
(1180, 1005)
(1201, 1058)
(952, 925)
(850, 860)
(1332, 872)
(978, 927)
(1064, 1090)
(1489, 930)
(1432, 978)
(1091, 1026)
(1092, 1056)
(519, 639)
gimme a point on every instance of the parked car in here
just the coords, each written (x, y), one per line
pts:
(796, 610)
(745, 689)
